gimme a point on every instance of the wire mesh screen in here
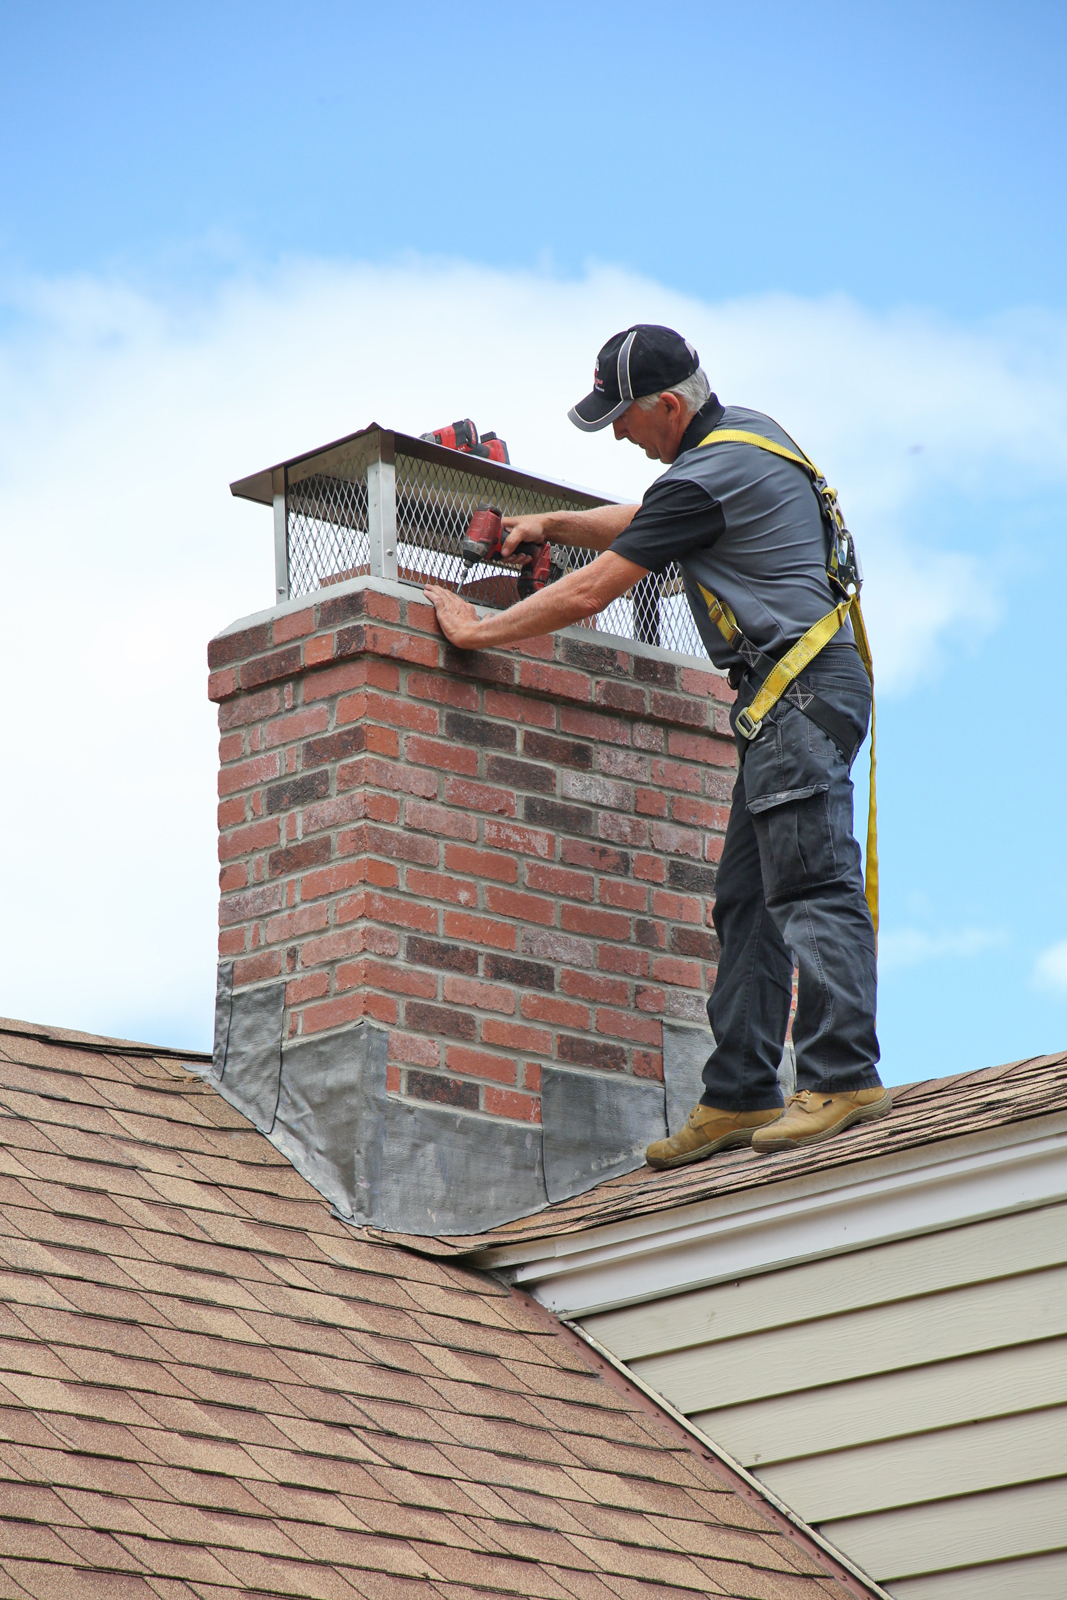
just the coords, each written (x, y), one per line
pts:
(327, 532)
(328, 540)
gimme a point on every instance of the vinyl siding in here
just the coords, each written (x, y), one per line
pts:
(910, 1399)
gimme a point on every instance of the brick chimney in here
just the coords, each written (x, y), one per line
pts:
(465, 938)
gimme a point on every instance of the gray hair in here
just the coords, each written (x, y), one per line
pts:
(692, 392)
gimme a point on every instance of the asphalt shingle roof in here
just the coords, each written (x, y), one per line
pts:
(209, 1385)
(924, 1114)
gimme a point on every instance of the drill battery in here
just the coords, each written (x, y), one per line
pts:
(464, 436)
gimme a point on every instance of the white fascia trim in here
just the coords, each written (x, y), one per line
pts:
(1014, 1168)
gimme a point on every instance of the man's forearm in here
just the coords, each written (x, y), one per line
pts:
(576, 597)
(595, 529)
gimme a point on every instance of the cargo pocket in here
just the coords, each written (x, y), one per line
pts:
(787, 774)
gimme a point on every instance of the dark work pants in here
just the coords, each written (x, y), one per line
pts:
(790, 884)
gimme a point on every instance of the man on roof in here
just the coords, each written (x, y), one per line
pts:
(751, 536)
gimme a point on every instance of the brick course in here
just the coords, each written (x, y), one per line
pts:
(507, 857)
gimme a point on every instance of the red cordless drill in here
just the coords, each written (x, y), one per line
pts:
(483, 541)
(463, 436)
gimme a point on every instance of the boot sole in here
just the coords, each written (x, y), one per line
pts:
(728, 1141)
(872, 1113)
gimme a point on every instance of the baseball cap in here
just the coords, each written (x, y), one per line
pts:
(641, 360)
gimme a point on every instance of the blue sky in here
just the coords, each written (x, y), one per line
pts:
(228, 232)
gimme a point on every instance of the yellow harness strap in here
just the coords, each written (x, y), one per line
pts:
(805, 650)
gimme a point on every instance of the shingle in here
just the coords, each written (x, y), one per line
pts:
(208, 1379)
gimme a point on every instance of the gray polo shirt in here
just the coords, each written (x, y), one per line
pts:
(745, 524)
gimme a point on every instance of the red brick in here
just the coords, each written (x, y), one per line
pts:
(622, 830)
(622, 697)
(624, 1025)
(516, 1036)
(442, 757)
(395, 978)
(243, 841)
(543, 647)
(297, 725)
(384, 606)
(251, 903)
(700, 747)
(626, 896)
(591, 1053)
(392, 1080)
(679, 907)
(648, 736)
(231, 942)
(293, 626)
(319, 650)
(297, 857)
(559, 881)
(623, 958)
(478, 1064)
(367, 839)
(285, 663)
(485, 996)
(413, 1049)
(699, 813)
(230, 812)
(220, 685)
(255, 969)
(332, 1013)
(592, 725)
(436, 886)
(650, 868)
(713, 847)
(291, 924)
(593, 986)
(482, 863)
(516, 1107)
(393, 776)
(599, 857)
(654, 1000)
(233, 877)
(527, 841)
(479, 930)
(250, 708)
(674, 775)
(311, 987)
(366, 705)
(322, 685)
(400, 647)
(560, 683)
(599, 923)
(439, 821)
(560, 1013)
(650, 803)
(648, 1064)
(348, 942)
(680, 974)
(446, 691)
(519, 708)
(422, 616)
(677, 841)
(259, 770)
(231, 747)
(439, 1020)
(383, 908)
(383, 1008)
(479, 796)
(526, 907)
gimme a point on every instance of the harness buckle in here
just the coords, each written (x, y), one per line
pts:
(746, 725)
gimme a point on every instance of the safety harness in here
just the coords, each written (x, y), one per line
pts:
(780, 677)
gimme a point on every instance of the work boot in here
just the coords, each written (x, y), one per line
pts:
(811, 1117)
(707, 1130)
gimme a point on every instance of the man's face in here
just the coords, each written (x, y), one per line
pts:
(657, 432)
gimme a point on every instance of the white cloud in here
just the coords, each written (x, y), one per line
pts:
(1050, 969)
(123, 417)
(911, 947)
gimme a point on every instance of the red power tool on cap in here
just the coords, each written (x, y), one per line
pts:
(483, 542)
(463, 436)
